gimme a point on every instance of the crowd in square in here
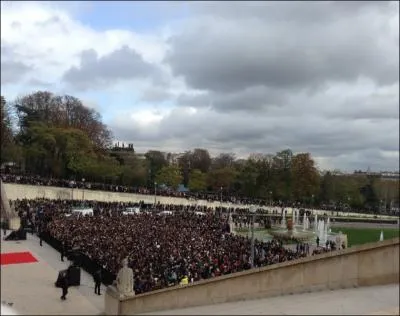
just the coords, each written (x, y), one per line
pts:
(162, 250)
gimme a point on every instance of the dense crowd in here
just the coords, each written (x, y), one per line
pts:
(161, 249)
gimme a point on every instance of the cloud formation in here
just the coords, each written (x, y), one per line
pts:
(237, 77)
(96, 72)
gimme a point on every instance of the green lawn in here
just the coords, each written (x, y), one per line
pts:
(359, 236)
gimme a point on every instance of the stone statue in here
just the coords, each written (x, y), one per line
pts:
(125, 279)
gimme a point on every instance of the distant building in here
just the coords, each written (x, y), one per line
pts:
(141, 156)
(173, 158)
(395, 176)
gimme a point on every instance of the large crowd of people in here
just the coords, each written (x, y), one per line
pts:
(162, 250)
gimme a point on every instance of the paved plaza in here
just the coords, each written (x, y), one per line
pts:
(376, 300)
(30, 289)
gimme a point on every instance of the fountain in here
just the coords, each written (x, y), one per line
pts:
(381, 236)
(295, 228)
(315, 223)
(294, 220)
(306, 222)
(283, 224)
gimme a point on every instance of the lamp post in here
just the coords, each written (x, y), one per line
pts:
(312, 201)
(270, 198)
(83, 191)
(220, 201)
(253, 210)
(348, 204)
(155, 194)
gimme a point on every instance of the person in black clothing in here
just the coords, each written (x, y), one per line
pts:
(40, 239)
(64, 286)
(97, 281)
(63, 251)
(317, 241)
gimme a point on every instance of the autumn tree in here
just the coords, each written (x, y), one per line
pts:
(64, 112)
(200, 159)
(224, 160)
(387, 191)
(305, 177)
(282, 175)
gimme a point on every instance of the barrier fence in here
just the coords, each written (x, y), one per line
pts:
(81, 260)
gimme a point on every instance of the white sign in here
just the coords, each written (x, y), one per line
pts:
(83, 211)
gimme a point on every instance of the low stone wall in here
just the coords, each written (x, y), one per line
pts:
(20, 191)
(365, 265)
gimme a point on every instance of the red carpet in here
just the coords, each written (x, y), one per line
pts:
(17, 257)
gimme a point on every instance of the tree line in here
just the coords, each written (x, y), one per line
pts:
(58, 136)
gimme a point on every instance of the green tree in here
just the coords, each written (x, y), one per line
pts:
(8, 150)
(246, 179)
(184, 163)
(327, 188)
(170, 176)
(197, 180)
(156, 162)
(221, 178)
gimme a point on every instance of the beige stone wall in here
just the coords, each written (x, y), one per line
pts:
(19, 191)
(371, 264)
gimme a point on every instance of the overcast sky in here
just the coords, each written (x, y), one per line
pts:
(243, 77)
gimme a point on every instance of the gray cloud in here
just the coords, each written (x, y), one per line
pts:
(330, 138)
(13, 72)
(155, 94)
(249, 99)
(320, 77)
(301, 12)
(287, 48)
(12, 69)
(95, 72)
(39, 83)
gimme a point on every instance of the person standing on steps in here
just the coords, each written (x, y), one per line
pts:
(41, 238)
(97, 281)
(64, 285)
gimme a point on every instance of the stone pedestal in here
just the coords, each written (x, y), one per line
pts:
(289, 225)
(14, 223)
(112, 300)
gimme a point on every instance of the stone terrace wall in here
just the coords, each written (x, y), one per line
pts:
(366, 265)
